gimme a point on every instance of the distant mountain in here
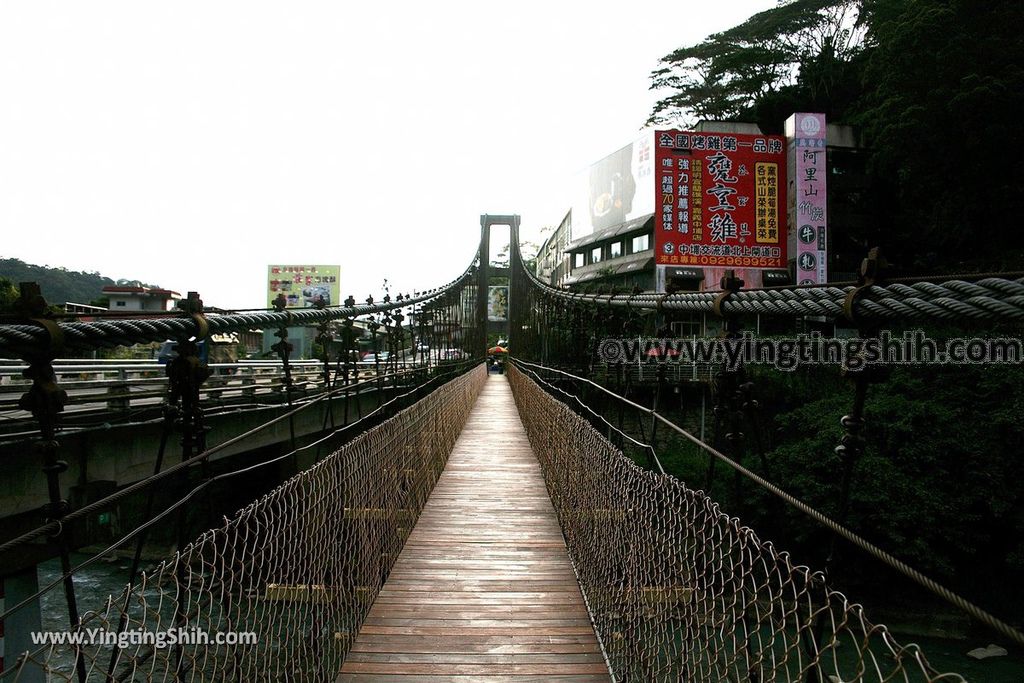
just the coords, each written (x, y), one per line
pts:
(60, 285)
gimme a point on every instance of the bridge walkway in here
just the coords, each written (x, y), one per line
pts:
(484, 589)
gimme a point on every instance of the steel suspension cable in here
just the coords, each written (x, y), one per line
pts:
(987, 299)
(16, 338)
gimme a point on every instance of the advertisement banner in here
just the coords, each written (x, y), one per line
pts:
(303, 286)
(497, 303)
(810, 178)
(614, 190)
(720, 199)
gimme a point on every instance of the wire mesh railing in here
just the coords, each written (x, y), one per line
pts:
(680, 591)
(298, 568)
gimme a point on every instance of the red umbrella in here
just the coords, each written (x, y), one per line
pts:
(497, 349)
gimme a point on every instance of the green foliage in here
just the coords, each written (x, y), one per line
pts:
(527, 250)
(738, 70)
(936, 485)
(942, 117)
(8, 295)
(935, 86)
(59, 285)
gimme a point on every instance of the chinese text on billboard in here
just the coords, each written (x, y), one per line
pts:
(811, 207)
(304, 286)
(720, 199)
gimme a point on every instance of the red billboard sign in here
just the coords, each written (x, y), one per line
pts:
(720, 199)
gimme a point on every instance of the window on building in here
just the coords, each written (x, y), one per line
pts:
(641, 243)
(691, 326)
(680, 284)
(595, 255)
(615, 250)
(579, 260)
(119, 303)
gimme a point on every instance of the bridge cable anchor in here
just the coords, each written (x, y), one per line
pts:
(45, 399)
(730, 285)
(283, 348)
(872, 271)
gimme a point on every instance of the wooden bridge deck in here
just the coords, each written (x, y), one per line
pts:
(483, 590)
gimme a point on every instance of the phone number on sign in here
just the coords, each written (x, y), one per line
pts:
(749, 261)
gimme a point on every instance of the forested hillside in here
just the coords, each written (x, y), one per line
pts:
(59, 285)
(935, 89)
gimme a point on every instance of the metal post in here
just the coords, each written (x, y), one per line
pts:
(654, 409)
(851, 447)
(346, 362)
(373, 326)
(46, 400)
(284, 352)
(186, 374)
(170, 415)
(397, 341)
(324, 339)
(703, 408)
(725, 385)
(482, 282)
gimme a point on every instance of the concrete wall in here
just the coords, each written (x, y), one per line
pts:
(101, 461)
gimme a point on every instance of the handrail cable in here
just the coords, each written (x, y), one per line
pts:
(203, 485)
(593, 412)
(903, 568)
(51, 527)
(122, 332)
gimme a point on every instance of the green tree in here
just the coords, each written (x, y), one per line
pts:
(734, 72)
(936, 485)
(8, 295)
(59, 285)
(944, 91)
(528, 250)
(935, 86)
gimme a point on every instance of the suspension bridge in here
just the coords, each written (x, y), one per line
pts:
(431, 521)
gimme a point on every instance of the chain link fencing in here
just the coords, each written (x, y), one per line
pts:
(299, 567)
(680, 591)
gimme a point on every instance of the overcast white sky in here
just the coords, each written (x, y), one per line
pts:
(190, 144)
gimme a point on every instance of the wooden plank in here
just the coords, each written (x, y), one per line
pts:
(482, 611)
(411, 646)
(525, 640)
(475, 658)
(477, 630)
(483, 589)
(400, 668)
(412, 678)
